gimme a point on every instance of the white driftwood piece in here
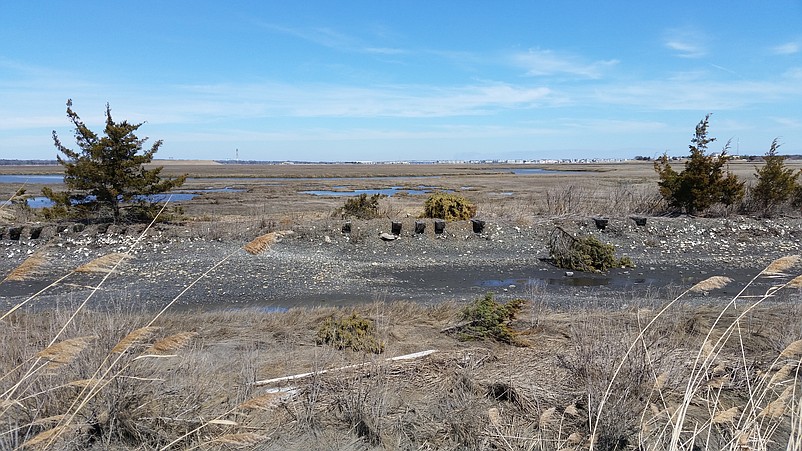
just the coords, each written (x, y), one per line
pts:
(294, 377)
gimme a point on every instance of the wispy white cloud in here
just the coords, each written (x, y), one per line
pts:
(616, 126)
(685, 42)
(348, 101)
(789, 48)
(538, 62)
(700, 95)
(787, 122)
(333, 39)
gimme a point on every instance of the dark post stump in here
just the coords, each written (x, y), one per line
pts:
(78, 228)
(439, 226)
(14, 233)
(420, 227)
(601, 223)
(347, 227)
(640, 221)
(478, 225)
(395, 228)
(36, 232)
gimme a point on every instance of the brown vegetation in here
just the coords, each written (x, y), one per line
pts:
(202, 389)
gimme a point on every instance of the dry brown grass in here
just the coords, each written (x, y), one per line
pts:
(104, 264)
(263, 242)
(475, 395)
(65, 351)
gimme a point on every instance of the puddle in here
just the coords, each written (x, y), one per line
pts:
(576, 281)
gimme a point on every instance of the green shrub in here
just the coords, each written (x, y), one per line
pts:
(108, 172)
(450, 207)
(360, 207)
(587, 253)
(485, 318)
(353, 332)
(703, 182)
(776, 183)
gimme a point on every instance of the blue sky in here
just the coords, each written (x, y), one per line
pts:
(374, 80)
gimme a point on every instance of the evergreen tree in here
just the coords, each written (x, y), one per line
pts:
(703, 182)
(107, 171)
(776, 183)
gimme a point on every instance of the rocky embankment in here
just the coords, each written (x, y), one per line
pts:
(321, 265)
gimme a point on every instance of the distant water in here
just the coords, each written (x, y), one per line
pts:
(341, 192)
(42, 202)
(55, 178)
(32, 179)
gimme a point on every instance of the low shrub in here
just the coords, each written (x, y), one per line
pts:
(360, 207)
(587, 253)
(485, 318)
(704, 182)
(451, 207)
(777, 185)
(353, 332)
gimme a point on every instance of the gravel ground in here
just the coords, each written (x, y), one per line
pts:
(319, 265)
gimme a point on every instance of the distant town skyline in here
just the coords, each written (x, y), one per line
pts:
(382, 81)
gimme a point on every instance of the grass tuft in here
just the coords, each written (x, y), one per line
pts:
(780, 265)
(29, 268)
(45, 439)
(263, 402)
(65, 351)
(263, 242)
(485, 318)
(103, 264)
(134, 337)
(352, 332)
(241, 440)
(171, 343)
(711, 283)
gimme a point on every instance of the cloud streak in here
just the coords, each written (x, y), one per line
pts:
(685, 43)
(333, 39)
(410, 101)
(789, 48)
(541, 63)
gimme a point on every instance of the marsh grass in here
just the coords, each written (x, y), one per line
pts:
(468, 395)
